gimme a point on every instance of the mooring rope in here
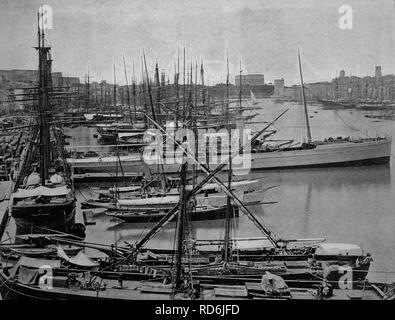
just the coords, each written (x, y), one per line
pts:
(345, 122)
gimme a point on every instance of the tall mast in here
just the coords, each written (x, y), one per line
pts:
(228, 199)
(78, 95)
(38, 29)
(202, 80)
(88, 94)
(180, 227)
(43, 100)
(194, 124)
(158, 110)
(127, 91)
(206, 113)
(177, 78)
(190, 86)
(157, 87)
(68, 96)
(304, 102)
(160, 165)
(101, 95)
(116, 136)
(142, 90)
(182, 204)
(183, 92)
(240, 106)
(105, 96)
(115, 93)
(149, 89)
(134, 94)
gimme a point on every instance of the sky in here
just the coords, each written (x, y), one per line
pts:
(263, 34)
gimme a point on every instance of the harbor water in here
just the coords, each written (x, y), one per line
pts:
(344, 205)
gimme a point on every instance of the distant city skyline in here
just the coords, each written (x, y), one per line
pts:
(265, 35)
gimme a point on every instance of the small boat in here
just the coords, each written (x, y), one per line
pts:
(171, 189)
(164, 201)
(28, 280)
(201, 213)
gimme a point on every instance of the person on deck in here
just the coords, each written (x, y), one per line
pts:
(143, 184)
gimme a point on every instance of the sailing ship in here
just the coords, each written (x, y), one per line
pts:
(43, 197)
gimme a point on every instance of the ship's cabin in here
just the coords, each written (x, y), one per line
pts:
(33, 192)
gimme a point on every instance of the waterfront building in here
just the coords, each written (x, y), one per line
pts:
(252, 79)
(31, 76)
(377, 72)
(15, 75)
(279, 88)
(377, 87)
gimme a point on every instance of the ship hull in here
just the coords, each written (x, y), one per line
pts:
(13, 290)
(334, 104)
(59, 217)
(326, 155)
(213, 214)
(331, 154)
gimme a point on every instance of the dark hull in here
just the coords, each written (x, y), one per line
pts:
(364, 162)
(301, 278)
(155, 217)
(12, 290)
(59, 217)
(111, 207)
(107, 138)
(109, 135)
(334, 104)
